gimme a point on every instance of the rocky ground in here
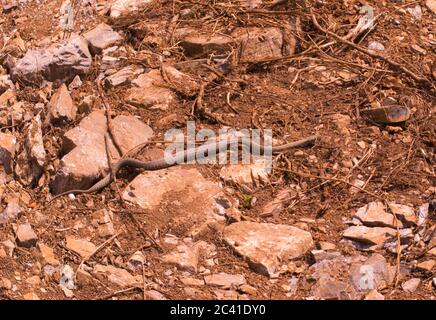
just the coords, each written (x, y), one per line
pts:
(350, 217)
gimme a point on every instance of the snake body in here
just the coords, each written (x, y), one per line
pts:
(182, 157)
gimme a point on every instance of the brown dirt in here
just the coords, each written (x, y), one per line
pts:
(401, 168)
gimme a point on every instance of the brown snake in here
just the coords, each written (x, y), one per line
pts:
(182, 157)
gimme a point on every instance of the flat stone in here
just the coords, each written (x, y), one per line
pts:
(6, 84)
(61, 107)
(342, 123)
(405, 213)
(320, 255)
(416, 12)
(13, 114)
(186, 256)
(48, 255)
(387, 115)
(103, 221)
(86, 156)
(121, 8)
(426, 265)
(5, 284)
(75, 84)
(225, 280)
(374, 215)
(117, 276)
(102, 37)
(62, 61)
(151, 92)
(84, 277)
(124, 76)
(31, 296)
(9, 246)
(275, 207)
(411, 285)
(7, 151)
(154, 295)
(374, 273)
(247, 175)
(266, 246)
(375, 236)
(7, 8)
(67, 280)
(12, 210)
(253, 44)
(192, 199)
(246, 288)
(251, 3)
(431, 4)
(136, 261)
(374, 295)
(423, 214)
(35, 154)
(7, 98)
(199, 45)
(33, 281)
(180, 81)
(258, 44)
(228, 295)
(26, 237)
(349, 278)
(81, 246)
(327, 246)
(192, 282)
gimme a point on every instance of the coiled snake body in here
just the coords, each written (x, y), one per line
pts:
(183, 156)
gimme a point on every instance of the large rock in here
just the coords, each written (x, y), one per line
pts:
(266, 246)
(150, 91)
(86, 156)
(102, 37)
(61, 107)
(62, 61)
(374, 273)
(350, 278)
(191, 199)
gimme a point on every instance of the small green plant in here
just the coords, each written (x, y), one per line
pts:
(246, 200)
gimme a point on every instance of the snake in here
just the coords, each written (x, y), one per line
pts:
(182, 157)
